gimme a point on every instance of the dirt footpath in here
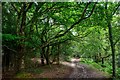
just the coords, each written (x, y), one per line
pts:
(83, 70)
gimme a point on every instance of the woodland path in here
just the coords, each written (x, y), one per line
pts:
(83, 70)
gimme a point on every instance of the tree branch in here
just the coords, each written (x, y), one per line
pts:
(85, 9)
(59, 42)
(9, 48)
(72, 26)
(34, 14)
(91, 11)
(15, 8)
(116, 8)
(116, 41)
(29, 6)
(81, 19)
(47, 9)
(107, 56)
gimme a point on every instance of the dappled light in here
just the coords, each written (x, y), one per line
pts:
(73, 40)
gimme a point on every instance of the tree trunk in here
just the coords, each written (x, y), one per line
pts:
(119, 54)
(112, 48)
(42, 55)
(102, 61)
(47, 55)
(6, 60)
(19, 58)
(95, 58)
(58, 54)
(108, 20)
(21, 33)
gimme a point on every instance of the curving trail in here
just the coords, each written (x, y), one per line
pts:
(83, 70)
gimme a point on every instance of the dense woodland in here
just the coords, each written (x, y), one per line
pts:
(58, 31)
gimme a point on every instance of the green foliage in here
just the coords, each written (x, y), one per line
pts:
(23, 75)
(67, 59)
(118, 72)
(29, 63)
(43, 21)
(9, 37)
(27, 73)
(107, 68)
(91, 63)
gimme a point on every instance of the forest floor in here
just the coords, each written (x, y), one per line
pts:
(72, 69)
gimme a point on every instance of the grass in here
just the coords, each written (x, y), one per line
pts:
(27, 73)
(107, 69)
(23, 75)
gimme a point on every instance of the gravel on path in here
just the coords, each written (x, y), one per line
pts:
(83, 70)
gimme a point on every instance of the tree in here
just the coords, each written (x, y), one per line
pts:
(109, 16)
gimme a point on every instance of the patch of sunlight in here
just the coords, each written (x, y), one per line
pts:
(72, 65)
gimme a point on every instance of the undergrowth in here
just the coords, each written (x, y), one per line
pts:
(106, 67)
(27, 73)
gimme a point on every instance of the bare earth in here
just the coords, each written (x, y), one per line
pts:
(84, 71)
(56, 71)
(71, 69)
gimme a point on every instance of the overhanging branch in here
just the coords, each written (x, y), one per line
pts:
(81, 19)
